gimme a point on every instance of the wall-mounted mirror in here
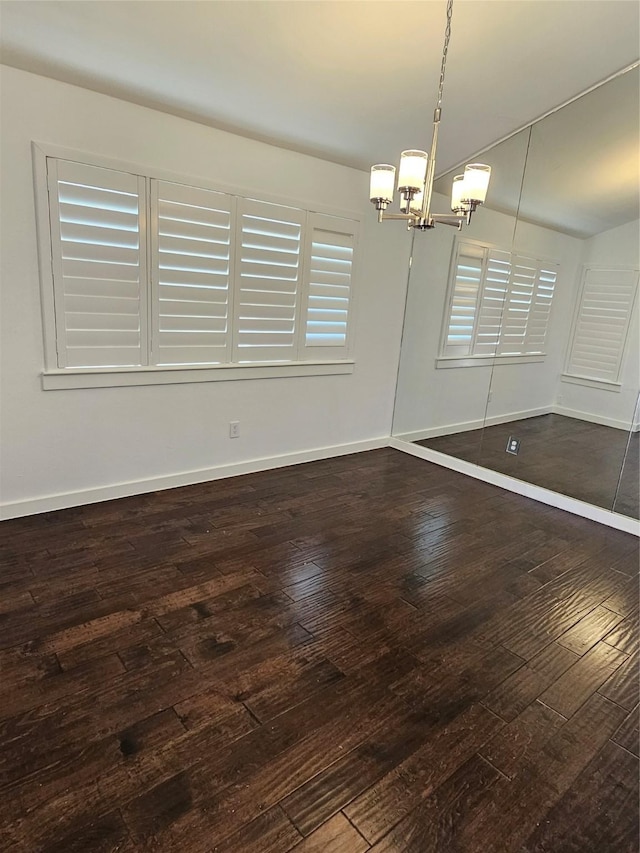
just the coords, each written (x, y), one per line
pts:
(520, 348)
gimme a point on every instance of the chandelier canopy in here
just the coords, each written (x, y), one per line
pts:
(417, 172)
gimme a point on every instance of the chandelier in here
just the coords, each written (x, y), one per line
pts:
(417, 172)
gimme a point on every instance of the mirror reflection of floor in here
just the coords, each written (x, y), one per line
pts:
(573, 457)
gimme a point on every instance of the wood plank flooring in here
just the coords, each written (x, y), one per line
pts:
(367, 653)
(576, 458)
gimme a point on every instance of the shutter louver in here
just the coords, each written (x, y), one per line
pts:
(329, 284)
(99, 265)
(191, 275)
(602, 323)
(268, 264)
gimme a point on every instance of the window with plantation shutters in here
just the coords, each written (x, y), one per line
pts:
(329, 279)
(99, 265)
(499, 303)
(143, 275)
(191, 275)
(269, 268)
(601, 324)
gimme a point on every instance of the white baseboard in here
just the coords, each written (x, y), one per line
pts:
(467, 426)
(594, 419)
(537, 493)
(64, 500)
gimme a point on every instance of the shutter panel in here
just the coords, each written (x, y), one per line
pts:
(528, 307)
(268, 272)
(465, 292)
(540, 315)
(328, 285)
(517, 306)
(493, 300)
(99, 264)
(602, 322)
(191, 274)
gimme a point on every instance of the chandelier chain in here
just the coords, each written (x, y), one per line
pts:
(447, 36)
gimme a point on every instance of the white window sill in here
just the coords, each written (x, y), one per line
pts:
(601, 384)
(487, 360)
(54, 380)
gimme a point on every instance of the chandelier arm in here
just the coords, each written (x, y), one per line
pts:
(431, 166)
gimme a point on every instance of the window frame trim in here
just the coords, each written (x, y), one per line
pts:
(52, 375)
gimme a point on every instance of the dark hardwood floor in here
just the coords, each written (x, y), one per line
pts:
(364, 653)
(573, 457)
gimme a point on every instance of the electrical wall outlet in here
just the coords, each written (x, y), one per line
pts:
(234, 429)
(513, 445)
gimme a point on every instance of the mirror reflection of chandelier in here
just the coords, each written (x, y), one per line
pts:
(417, 172)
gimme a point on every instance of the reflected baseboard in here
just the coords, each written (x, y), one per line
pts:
(520, 487)
(479, 423)
(496, 420)
(595, 419)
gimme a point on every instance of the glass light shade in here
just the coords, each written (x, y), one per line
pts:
(413, 169)
(457, 192)
(476, 181)
(382, 182)
(416, 203)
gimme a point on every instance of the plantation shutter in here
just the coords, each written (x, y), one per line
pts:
(97, 219)
(465, 292)
(493, 300)
(268, 275)
(328, 285)
(191, 275)
(602, 322)
(500, 303)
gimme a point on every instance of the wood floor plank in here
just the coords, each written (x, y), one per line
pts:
(335, 836)
(385, 803)
(526, 684)
(511, 748)
(596, 813)
(623, 686)
(628, 735)
(571, 690)
(271, 832)
(588, 631)
(432, 826)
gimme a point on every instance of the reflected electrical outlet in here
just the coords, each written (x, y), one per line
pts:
(513, 445)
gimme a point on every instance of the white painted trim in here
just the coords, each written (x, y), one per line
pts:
(536, 493)
(17, 509)
(448, 362)
(466, 426)
(56, 380)
(600, 384)
(594, 419)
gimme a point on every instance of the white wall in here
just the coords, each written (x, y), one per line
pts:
(619, 247)
(85, 441)
(431, 399)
